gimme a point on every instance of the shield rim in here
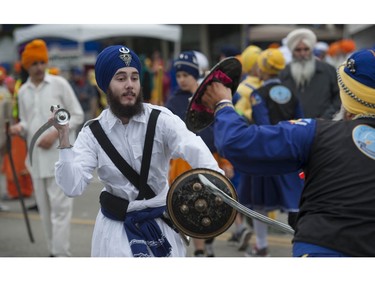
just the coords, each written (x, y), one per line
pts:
(220, 65)
(176, 222)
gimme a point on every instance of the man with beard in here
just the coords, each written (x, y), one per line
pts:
(131, 222)
(313, 81)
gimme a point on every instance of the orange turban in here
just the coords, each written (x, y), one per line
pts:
(34, 51)
(334, 49)
(347, 46)
(54, 71)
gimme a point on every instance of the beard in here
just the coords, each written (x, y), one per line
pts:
(302, 71)
(341, 114)
(124, 111)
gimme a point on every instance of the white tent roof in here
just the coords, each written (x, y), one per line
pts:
(89, 32)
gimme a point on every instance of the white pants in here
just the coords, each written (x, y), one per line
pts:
(55, 210)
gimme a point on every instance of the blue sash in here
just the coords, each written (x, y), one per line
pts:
(142, 231)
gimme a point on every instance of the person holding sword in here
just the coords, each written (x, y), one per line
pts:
(131, 221)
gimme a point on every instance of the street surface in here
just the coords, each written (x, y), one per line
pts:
(22, 260)
(14, 240)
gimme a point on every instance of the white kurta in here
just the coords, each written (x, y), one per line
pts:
(34, 111)
(55, 209)
(172, 140)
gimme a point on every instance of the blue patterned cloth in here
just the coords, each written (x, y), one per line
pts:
(142, 231)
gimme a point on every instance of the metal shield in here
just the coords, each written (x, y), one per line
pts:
(228, 72)
(197, 212)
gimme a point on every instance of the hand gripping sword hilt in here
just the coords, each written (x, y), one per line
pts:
(61, 116)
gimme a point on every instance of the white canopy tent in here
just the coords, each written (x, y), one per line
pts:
(90, 32)
(82, 33)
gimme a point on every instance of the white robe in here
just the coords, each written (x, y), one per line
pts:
(75, 168)
(34, 110)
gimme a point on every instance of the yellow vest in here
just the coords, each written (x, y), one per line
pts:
(245, 88)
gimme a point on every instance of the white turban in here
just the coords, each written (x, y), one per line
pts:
(202, 62)
(302, 34)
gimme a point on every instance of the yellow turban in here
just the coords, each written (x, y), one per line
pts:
(34, 51)
(356, 79)
(249, 57)
(271, 61)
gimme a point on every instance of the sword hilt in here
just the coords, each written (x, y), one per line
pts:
(61, 116)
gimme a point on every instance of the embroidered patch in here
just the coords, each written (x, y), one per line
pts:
(255, 98)
(280, 94)
(364, 139)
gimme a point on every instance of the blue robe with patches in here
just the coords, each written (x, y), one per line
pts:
(337, 207)
(272, 103)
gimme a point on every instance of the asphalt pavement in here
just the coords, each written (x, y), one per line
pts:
(15, 242)
(22, 260)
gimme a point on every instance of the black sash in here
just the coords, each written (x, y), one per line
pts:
(139, 181)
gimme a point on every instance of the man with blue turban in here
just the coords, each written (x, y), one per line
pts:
(131, 222)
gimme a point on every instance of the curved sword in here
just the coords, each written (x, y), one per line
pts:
(40, 131)
(15, 177)
(61, 116)
(242, 209)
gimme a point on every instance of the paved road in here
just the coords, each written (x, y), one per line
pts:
(14, 241)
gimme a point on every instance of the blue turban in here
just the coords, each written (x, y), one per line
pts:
(187, 61)
(110, 60)
(356, 78)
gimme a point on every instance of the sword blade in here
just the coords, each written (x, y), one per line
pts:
(40, 131)
(242, 209)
